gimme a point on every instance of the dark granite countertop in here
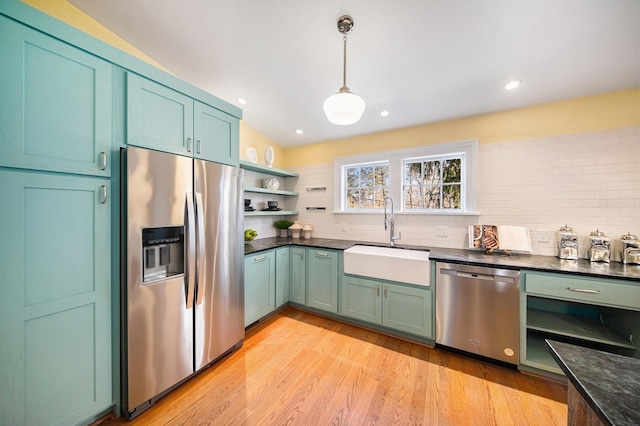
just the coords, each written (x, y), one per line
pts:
(529, 262)
(609, 383)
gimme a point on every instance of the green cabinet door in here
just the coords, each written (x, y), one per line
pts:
(55, 308)
(361, 299)
(158, 117)
(298, 278)
(215, 134)
(55, 104)
(259, 286)
(407, 309)
(282, 276)
(323, 280)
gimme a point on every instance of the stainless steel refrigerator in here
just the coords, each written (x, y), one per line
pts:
(183, 291)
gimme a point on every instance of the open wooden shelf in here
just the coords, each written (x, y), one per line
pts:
(260, 168)
(269, 191)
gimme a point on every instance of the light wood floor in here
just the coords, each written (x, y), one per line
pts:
(302, 369)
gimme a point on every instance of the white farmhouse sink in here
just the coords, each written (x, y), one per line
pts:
(394, 264)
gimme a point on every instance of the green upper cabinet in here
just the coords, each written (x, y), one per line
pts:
(158, 117)
(216, 135)
(55, 308)
(55, 104)
(323, 280)
(166, 120)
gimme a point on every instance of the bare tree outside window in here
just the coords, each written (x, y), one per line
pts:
(432, 184)
(366, 186)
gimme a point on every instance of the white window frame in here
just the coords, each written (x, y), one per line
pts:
(467, 150)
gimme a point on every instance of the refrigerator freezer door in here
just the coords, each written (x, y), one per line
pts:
(159, 323)
(219, 308)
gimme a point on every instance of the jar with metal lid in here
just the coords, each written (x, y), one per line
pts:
(567, 243)
(627, 249)
(599, 247)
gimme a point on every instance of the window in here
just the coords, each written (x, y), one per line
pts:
(430, 179)
(431, 183)
(366, 186)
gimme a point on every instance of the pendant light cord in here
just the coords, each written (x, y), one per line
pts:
(344, 62)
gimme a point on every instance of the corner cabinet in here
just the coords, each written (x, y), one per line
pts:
(260, 171)
(282, 276)
(166, 120)
(400, 307)
(602, 314)
(298, 277)
(55, 309)
(55, 108)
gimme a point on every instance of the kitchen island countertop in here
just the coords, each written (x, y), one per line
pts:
(529, 262)
(608, 383)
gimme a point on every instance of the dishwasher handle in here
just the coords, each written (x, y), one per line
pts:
(475, 276)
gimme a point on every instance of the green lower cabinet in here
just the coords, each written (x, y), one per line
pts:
(259, 286)
(282, 276)
(361, 299)
(298, 277)
(400, 307)
(407, 309)
(322, 285)
(55, 308)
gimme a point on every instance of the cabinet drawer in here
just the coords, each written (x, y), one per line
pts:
(589, 290)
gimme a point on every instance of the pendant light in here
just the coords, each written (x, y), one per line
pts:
(344, 107)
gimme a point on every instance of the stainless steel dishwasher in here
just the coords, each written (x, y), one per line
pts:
(478, 310)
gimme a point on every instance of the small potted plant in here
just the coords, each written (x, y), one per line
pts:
(283, 225)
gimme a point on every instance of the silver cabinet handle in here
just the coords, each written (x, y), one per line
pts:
(378, 291)
(320, 254)
(103, 194)
(259, 259)
(191, 248)
(103, 160)
(200, 281)
(198, 146)
(584, 290)
(385, 292)
(188, 144)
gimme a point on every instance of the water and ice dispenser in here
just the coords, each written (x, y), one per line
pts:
(162, 252)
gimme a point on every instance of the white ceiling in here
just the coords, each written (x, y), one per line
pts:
(424, 61)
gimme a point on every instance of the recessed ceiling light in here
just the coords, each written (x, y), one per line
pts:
(242, 101)
(513, 84)
(299, 131)
(384, 113)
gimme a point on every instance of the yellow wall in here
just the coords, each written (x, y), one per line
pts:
(251, 138)
(592, 113)
(68, 13)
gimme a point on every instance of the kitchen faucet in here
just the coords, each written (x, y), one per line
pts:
(390, 222)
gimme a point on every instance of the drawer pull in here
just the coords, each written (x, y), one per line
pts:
(259, 259)
(584, 290)
(322, 255)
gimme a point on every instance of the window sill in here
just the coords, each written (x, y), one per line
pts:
(420, 213)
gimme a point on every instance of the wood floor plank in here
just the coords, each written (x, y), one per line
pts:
(297, 368)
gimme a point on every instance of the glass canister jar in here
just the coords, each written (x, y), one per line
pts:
(567, 243)
(628, 249)
(599, 247)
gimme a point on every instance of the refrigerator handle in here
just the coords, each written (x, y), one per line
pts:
(200, 250)
(191, 248)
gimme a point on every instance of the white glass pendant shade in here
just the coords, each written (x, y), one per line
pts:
(344, 107)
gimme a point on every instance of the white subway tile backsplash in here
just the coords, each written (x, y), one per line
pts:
(588, 181)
